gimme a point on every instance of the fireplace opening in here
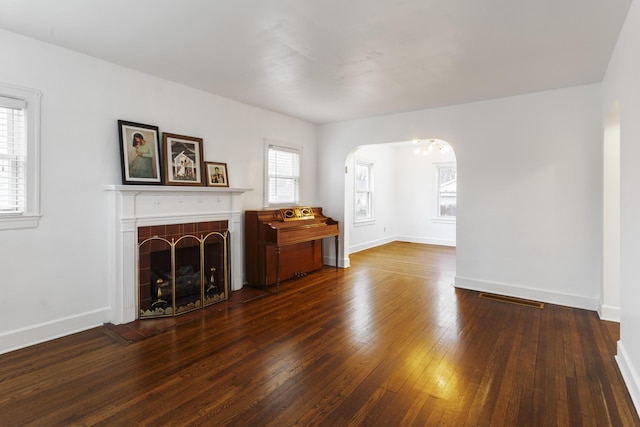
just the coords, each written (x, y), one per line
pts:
(183, 269)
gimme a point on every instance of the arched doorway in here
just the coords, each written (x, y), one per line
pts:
(412, 195)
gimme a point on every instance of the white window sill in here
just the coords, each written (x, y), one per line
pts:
(444, 220)
(363, 222)
(16, 222)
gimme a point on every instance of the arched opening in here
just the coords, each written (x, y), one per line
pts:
(403, 191)
(610, 296)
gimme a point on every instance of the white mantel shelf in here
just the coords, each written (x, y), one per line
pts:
(175, 189)
(133, 206)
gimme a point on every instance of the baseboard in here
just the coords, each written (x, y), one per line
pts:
(371, 244)
(342, 262)
(426, 240)
(345, 262)
(25, 337)
(542, 295)
(629, 374)
(410, 239)
(610, 313)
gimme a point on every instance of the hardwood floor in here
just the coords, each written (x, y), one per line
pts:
(388, 341)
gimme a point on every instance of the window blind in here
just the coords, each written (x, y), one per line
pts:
(12, 156)
(283, 175)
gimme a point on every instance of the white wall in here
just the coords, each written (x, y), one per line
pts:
(416, 195)
(383, 228)
(54, 278)
(529, 188)
(610, 299)
(622, 85)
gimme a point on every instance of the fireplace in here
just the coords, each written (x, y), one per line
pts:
(143, 207)
(182, 267)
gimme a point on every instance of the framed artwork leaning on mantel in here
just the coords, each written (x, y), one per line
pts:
(217, 175)
(183, 160)
(139, 153)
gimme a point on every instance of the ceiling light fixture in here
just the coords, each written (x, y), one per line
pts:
(426, 147)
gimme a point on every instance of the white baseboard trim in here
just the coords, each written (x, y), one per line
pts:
(541, 295)
(371, 244)
(345, 263)
(610, 313)
(629, 374)
(342, 262)
(427, 240)
(25, 337)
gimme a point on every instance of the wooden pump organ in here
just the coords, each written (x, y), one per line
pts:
(284, 243)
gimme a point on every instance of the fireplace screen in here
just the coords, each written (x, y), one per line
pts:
(182, 270)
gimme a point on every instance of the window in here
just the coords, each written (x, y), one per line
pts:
(19, 162)
(363, 191)
(12, 155)
(283, 175)
(446, 190)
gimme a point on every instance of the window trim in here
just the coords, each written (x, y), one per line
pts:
(439, 218)
(370, 219)
(284, 146)
(30, 218)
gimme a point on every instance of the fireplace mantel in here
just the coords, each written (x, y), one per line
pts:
(175, 189)
(132, 206)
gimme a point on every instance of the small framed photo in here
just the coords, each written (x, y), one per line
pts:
(217, 174)
(139, 153)
(183, 159)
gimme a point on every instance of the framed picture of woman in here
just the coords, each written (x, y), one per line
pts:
(139, 153)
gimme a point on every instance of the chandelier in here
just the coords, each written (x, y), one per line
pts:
(425, 147)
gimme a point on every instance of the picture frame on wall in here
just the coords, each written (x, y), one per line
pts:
(217, 175)
(140, 154)
(183, 160)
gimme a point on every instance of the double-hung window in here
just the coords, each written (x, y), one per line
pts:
(447, 190)
(19, 162)
(282, 175)
(363, 208)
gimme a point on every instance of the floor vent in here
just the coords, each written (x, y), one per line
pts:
(512, 300)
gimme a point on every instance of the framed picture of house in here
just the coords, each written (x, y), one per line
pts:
(183, 159)
(139, 153)
(217, 174)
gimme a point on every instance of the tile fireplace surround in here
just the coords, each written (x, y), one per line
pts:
(133, 206)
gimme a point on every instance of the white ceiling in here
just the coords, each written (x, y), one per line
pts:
(333, 60)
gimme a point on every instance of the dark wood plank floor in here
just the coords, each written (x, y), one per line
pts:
(388, 341)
